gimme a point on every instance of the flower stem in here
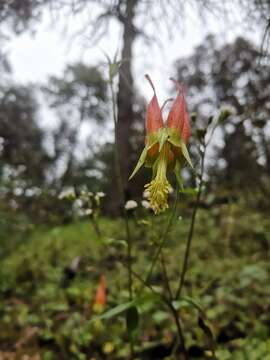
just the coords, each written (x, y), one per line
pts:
(191, 228)
(164, 237)
(181, 339)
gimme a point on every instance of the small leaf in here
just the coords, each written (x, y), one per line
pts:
(140, 163)
(193, 117)
(125, 306)
(132, 319)
(224, 115)
(114, 311)
(200, 134)
(183, 301)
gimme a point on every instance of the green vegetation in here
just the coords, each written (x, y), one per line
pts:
(48, 288)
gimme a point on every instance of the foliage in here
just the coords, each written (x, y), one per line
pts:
(40, 289)
(228, 76)
(22, 149)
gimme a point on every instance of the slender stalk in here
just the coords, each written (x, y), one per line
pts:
(159, 253)
(122, 195)
(191, 228)
(165, 275)
(181, 339)
(164, 237)
(168, 303)
(95, 226)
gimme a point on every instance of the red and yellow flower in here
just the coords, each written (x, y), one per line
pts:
(165, 146)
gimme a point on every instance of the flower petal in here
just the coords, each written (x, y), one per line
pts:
(154, 119)
(178, 115)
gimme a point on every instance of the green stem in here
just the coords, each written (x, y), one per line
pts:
(165, 275)
(96, 226)
(181, 339)
(191, 229)
(164, 237)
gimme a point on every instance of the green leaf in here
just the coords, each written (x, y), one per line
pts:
(193, 117)
(224, 115)
(140, 163)
(200, 134)
(114, 311)
(132, 319)
(183, 301)
(151, 297)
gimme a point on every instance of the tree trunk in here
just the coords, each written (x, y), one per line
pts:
(125, 99)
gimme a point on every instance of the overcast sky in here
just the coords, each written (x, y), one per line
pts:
(51, 48)
(34, 57)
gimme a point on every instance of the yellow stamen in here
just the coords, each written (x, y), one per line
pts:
(159, 187)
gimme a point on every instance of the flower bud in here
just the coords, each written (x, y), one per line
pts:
(154, 120)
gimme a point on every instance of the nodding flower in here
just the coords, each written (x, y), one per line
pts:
(100, 301)
(165, 146)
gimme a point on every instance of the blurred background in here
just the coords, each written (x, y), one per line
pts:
(57, 134)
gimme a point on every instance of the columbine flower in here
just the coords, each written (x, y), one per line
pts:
(131, 204)
(165, 147)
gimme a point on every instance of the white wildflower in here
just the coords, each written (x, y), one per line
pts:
(100, 194)
(146, 194)
(67, 193)
(146, 204)
(78, 203)
(83, 212)
(131, 204)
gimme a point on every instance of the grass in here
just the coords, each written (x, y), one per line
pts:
(44, 292)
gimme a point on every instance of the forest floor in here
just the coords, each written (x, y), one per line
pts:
(48, 285)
